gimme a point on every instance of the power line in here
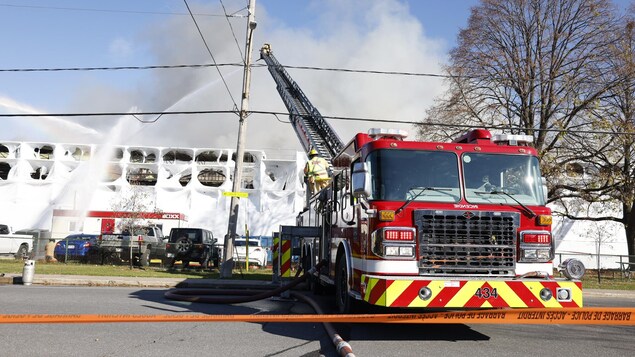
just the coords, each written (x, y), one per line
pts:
(210, 53)
(370, 71)
(116, 11)
(231, 28)
(206, 65)
(364, 119)
(70, 69)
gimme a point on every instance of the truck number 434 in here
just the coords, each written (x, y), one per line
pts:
(486, 293)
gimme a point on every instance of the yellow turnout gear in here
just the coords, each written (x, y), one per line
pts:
(316, 173)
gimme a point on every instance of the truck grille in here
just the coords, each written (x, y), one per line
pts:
(466, 242)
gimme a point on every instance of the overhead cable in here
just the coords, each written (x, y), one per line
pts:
(210, 53)
(115, 11)
(205, 65)
(231, 28)
(275, 114)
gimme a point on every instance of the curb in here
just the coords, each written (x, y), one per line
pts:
(109, 281)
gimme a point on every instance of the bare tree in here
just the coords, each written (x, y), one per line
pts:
(530, 66)
(133, 203)
(606, 157)
(560, 70)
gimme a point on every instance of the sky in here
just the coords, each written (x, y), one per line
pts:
(411, 36)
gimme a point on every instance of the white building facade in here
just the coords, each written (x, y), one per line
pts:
(37, 178)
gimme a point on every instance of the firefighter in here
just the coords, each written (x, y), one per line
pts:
(316, 172)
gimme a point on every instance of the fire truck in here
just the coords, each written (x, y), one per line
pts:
(439, 225)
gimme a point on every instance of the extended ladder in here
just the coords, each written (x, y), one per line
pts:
(309, 125)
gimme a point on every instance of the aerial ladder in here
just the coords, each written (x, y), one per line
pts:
(309, 125)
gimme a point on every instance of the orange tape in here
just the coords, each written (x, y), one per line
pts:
(575, 316)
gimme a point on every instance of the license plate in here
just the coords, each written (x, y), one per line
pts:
(71, 247)
(169, 255)
(117, 250)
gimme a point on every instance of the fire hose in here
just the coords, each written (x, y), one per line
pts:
(237, 296)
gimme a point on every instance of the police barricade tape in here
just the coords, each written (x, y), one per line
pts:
(573, 316)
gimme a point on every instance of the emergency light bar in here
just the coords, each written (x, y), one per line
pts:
(515, 140)
(380, 133)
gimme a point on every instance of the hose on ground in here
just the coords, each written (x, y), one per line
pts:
(236, 296)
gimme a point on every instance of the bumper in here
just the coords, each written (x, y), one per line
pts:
(463, 293)
(180, 256)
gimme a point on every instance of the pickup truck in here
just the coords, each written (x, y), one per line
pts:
(18, 245)
(138, 247)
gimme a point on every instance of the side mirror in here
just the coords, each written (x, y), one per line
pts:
(361, 179)
(544, 189)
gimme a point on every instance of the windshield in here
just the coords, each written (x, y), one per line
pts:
(506, 179)
(400, 175)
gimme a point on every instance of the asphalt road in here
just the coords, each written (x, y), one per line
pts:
(274, 339)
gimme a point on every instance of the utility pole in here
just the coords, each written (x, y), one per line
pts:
(228, 261)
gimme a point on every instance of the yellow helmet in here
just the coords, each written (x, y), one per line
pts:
(313, 152)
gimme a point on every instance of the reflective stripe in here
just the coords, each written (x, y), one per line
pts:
(404, 292)
(317, 167)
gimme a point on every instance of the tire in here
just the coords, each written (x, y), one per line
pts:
(342, 299)
(144, 258)
(22, 251)
(184, 245)
(60, 258)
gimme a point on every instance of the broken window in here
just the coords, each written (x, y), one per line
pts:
(45, 152)
(136, 156)
(175, 155)
(4, 151)
(207, 157)
(4, 170)
(41, 173)
(117, 154)
(142, 177)
(185, 179)
(247, 157)
(211, 177)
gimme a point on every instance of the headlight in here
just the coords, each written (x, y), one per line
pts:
(536, 254)
(399, 251)
(394, 242)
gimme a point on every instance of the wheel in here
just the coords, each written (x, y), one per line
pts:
(184, 245)
(342, 298)
(60, 258)
(22, 251)
(144, 258)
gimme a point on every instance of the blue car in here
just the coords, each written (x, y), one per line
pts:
(82, 247)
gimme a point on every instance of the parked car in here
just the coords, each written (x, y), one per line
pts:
(191, 245)
(257, 253)
(82, 247)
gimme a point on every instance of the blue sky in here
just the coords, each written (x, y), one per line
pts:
(390, 35)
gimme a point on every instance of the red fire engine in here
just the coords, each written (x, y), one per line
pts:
(408, 224)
